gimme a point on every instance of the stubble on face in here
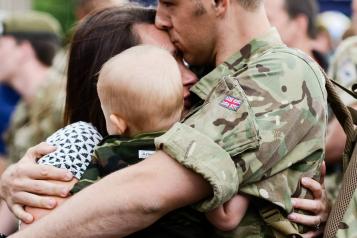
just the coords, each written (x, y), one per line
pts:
(199, 8)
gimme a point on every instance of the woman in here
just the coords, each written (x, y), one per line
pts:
(96, 40)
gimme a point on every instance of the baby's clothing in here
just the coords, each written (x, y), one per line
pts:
(75, 145)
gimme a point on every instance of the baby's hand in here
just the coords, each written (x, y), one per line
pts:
(228, 216)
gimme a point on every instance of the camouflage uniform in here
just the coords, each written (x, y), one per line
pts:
(259, 129)
(344, 71)
(343, 68)
(33, 123)
(115, 153)
(348, 226)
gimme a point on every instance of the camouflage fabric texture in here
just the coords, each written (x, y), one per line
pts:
(343, 68)
(344, 71)
(348, 226)
(33, 123)
(266, 108)
(114, 153)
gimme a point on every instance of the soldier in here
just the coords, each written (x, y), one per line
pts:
(35, 38)
(343, 70)
(253, 107)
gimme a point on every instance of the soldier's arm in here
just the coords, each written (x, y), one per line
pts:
(124, 202)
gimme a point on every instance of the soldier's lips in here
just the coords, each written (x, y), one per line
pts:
(177, 45)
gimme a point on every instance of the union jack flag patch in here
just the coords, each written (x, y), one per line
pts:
(231, 103)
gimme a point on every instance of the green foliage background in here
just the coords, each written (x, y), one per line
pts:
(63, 10)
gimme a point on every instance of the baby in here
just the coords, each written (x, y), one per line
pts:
(141, 95)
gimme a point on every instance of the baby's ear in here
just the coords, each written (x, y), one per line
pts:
(119, 124)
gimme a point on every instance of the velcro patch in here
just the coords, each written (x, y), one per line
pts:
(143, 154)
(231, 103)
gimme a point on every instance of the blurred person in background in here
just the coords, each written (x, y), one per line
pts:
(354, 17)
(32, 40)
(28, 44)
(343, 69)
(296, 23)
(8, 100)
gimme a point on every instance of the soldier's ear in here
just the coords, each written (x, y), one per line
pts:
(119, 125)
(220, 6)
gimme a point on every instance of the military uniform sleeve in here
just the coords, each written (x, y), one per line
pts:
(200, 154)
(271, 120)
(224, 126)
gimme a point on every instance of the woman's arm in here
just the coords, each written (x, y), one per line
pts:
(38, 213)
(23, 183)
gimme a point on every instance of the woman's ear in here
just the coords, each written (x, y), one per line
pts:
(119, 125)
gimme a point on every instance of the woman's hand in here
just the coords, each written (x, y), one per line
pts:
(319, 207)
(23, 183)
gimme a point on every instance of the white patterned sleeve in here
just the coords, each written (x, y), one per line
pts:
(75, 145)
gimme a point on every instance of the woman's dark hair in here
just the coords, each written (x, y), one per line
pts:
(98, 38)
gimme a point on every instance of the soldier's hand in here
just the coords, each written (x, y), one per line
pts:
(23, 183)
(319, 207)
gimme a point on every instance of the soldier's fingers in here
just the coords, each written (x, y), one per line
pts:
(323, 173)
(305, 219)
(44, 187)
(46, 172)
(314, 206)
(32, 200)
(314, 186)
(37, 151)
(312, 234)
(21, 214)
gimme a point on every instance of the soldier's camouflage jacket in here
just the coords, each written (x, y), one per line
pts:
(343, 68)
(348, 226)
(344, 71)
(115, 153)
(32, 123)
(260, 129)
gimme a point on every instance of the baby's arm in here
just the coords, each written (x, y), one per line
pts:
(228, 216)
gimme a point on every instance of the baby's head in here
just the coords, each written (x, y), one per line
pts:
(140, 90)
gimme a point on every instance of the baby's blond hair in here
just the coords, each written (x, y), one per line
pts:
(143, 86)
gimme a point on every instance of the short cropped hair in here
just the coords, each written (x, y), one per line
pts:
(250, 4)
(308, 8)
(143, 86)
